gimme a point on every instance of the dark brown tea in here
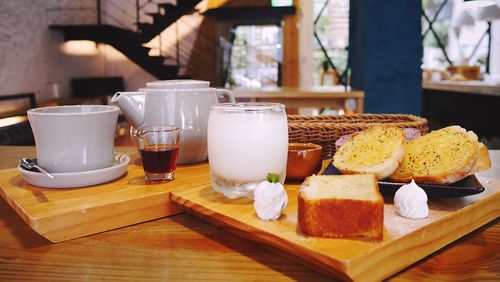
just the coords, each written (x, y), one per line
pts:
(159, 158)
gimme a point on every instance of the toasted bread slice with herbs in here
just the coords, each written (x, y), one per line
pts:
(377, 150)
(440, 157)
(483, 163)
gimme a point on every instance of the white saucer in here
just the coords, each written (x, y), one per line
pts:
(80, 178)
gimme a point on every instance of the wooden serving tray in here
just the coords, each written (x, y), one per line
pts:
(63, 214)
(405, 241)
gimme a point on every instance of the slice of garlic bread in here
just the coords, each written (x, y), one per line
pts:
(484, 162)
(377, 150)
(441, 157)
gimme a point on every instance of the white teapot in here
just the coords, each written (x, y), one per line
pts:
(184, 103)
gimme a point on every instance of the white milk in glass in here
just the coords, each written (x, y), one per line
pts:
(246, 141)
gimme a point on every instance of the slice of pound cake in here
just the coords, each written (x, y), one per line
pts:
(341, 206)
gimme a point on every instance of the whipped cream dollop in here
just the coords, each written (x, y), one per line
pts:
(270, 199)
(411, 201)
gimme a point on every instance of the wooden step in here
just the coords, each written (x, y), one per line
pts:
(125, 41)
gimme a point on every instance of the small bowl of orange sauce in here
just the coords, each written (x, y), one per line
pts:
(304, 159)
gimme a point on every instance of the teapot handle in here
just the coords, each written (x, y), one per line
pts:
(221, 93)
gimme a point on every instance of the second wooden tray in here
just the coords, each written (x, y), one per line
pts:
(405, 241)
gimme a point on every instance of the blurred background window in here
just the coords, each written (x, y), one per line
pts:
(256, 56)
(281, 3)
(455, 33)
(332, 30)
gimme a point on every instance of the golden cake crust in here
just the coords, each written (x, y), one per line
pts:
(341, 217)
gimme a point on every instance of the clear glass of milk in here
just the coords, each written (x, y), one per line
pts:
(246, 141)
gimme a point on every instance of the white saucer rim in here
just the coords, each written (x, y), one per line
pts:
(78, 179)
(79, 173)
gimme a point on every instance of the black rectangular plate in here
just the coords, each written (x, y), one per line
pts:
(465, 187)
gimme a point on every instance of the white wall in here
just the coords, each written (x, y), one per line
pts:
(31, 55)
(305, 43)
(495, 48)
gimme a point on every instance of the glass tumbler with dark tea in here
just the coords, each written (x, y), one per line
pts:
(159, 146)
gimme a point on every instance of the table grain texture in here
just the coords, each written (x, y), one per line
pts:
(185, 248)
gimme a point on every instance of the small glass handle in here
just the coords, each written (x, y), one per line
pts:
(221, 93)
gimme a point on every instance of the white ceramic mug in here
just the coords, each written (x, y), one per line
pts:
(74, 138)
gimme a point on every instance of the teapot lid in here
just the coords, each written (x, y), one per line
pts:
(178, 84)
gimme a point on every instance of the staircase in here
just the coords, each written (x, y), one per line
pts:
(129, 42)
(167, 14)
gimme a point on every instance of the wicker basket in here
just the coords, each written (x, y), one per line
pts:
(325, 130)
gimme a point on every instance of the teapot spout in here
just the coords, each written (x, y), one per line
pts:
(132, 106)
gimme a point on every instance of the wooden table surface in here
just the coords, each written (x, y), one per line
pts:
(185, 248)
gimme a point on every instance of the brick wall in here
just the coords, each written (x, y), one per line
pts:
(31, 58)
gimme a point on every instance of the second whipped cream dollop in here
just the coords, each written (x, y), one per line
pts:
(270, 198)
(411, 201)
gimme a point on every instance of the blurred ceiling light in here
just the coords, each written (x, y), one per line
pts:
(483, 10)
(79, 48)
(462, 19)
(111, 53)
(474, 4)
(4, 122)
(487, 13)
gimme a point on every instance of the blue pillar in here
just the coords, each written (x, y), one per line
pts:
(385, 54)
